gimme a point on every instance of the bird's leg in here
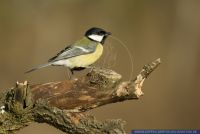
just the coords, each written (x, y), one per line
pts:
(70, 73)
(91, 68)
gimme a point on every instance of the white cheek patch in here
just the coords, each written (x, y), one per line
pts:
(98, 38)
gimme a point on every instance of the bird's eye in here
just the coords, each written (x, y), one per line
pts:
(101, 32)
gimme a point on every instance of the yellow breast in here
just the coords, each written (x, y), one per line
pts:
(87, 59)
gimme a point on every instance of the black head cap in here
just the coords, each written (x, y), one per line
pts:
(99, 32)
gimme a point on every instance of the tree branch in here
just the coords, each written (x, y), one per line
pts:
(63, 104)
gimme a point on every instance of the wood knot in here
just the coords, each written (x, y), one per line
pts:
(104, 78)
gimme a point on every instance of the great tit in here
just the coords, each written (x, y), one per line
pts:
(82, 53)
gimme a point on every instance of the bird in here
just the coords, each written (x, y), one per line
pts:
(81, 54)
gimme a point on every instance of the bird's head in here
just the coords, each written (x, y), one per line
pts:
(97, 34)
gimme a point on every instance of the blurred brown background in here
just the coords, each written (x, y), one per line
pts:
(32, 31)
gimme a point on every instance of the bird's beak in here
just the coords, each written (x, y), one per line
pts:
(108, 33)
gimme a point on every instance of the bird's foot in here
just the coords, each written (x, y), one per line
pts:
(91, 68)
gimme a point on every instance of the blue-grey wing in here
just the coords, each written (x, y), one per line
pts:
(72, 51)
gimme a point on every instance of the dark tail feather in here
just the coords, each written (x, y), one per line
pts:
(38, 67)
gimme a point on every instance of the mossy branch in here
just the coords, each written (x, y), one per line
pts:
(63, 104)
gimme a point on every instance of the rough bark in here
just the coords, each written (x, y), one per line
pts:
(63, 104)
